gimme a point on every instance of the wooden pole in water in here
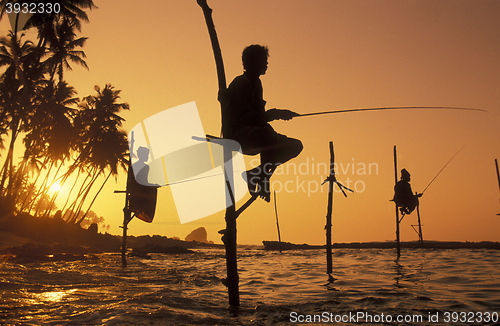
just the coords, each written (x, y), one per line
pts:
(498, 174)
(229, 236)
(420, 235)
(328, 226)
(126, 209)
(126, 219)
(277, 221)
(398, 248)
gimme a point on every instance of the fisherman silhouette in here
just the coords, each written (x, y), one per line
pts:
(142, 193)
(404, 197)
(141, 168)
(245, 119)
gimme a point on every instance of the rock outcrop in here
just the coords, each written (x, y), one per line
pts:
(198, 235)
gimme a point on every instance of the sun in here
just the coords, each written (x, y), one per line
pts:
(55, 187)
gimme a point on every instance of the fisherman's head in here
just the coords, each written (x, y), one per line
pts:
(254, 59)
(143, 153)
(405, 175)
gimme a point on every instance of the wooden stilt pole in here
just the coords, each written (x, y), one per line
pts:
(127, 214)
(498, 175)
(229, 238)
(126, 219)
(230, 245)
(420, 235)
(328, 226)
(277, 221)
(398, 248)
(332, 180)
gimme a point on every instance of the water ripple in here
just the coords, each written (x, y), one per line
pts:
(186, 290)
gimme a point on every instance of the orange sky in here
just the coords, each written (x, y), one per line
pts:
(325, 55)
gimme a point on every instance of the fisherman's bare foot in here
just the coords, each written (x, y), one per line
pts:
(258, 183)
(263, 189)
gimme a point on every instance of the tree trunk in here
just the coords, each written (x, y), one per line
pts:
(95, 197)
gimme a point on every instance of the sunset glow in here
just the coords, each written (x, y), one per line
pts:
(324, 55)
(56, 187)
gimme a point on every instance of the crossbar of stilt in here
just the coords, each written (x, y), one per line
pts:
(418, 232)
(245, 205)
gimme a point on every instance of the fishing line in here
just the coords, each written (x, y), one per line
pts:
(193, 179)
(443, 168)
(353, 110)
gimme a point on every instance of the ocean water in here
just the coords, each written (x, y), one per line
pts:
(423, 287)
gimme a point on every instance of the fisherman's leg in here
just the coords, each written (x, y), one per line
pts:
(274, 149)
(267, 141)
(285, 149)
(256, 140)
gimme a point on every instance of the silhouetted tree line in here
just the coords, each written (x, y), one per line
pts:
(58, 134)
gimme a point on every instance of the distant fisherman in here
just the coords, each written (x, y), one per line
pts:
(404, 197)
(142, 201)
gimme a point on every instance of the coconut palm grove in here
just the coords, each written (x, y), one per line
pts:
(50, 135)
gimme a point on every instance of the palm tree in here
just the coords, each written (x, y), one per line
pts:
(46, 23)
(3, 7)
(37, 107)
(4, 119)
(112, 151)
(51, 133)
(103, 144)
(63, 50)
(16, 91)
(16, 56)
(52, 126)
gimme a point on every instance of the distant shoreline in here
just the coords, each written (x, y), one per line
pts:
(28, 238)
(32, 237)
(431, 244)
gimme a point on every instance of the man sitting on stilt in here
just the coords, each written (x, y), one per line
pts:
(404, 197)
(245, 119)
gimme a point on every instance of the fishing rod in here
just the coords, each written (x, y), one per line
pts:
(443, 168)
(391, 108)
(344, 111)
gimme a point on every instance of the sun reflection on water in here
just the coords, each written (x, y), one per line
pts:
(53, 296)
